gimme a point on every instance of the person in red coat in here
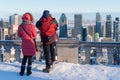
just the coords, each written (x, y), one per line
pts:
(27, 32)
(47, 27)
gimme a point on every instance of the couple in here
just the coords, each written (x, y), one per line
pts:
(47, 25)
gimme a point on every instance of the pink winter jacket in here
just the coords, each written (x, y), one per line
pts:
(28, 47)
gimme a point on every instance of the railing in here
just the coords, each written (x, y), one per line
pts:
(68, 50)
(10, 50)
(101, 52)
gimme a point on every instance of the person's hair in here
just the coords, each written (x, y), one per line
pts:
(32, 19)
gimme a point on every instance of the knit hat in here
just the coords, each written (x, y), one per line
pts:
(26, 16)
(46, 14)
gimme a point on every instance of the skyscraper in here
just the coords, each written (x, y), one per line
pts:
(63, 22)
(98, 27)
(3, 33)
(103, 30)
(116, 29)
(77, 25)
(84, 34)
(90, 30)
(3, 24)
(109, 26)
(15, 19)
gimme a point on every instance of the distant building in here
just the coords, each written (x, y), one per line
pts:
(77, 25)
(63, 22)
(13, 31)
(103, 30)
(3, 33)
(15, 19)
(89, 38)
(96, 37)
(3, 24)
(84, 34)
(108, 26)
(116, 29)
(98, 27)
(104, 39)
(90, 30)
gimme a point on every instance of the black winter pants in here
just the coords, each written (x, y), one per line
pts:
(25, 58)
(49, 53)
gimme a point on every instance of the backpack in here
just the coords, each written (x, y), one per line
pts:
(48, 32)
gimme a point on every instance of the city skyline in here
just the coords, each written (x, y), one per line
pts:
(58, 6)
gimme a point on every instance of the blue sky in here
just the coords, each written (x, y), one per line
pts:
(74, 6)
(64, 6)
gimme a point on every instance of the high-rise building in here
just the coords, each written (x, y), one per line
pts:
(116, 29)
(3, 33)
(63, 22)
(15, 19)
(103, 30)
(84, 34)
(90, 30)
(3, 24)
(109, 26)
(77, 25)
(98, 27)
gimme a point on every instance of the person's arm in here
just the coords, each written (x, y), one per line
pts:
(34, 33)
(38, 24)
(54, 21)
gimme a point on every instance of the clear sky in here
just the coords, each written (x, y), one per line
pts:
(74, 6)
(60, 5)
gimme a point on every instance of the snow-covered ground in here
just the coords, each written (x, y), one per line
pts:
(61, 71)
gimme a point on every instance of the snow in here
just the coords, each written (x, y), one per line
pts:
(61, 71)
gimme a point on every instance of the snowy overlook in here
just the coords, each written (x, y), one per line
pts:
(61, 71)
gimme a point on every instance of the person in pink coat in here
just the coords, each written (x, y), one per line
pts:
(27, 32)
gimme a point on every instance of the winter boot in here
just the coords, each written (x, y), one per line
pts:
(22, 70)
(29, 72)
(46, 70)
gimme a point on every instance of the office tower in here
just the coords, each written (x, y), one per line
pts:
(15, 19)
(103, 30)
(98, 27)
(90, 30)
(3, 24)
(77, 25)
(63, 22)
(108, 26)
(3, 33)
(116, 29)
(84, 34)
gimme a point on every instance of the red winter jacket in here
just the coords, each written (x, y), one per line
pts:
(28, 47)
(43, 25)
